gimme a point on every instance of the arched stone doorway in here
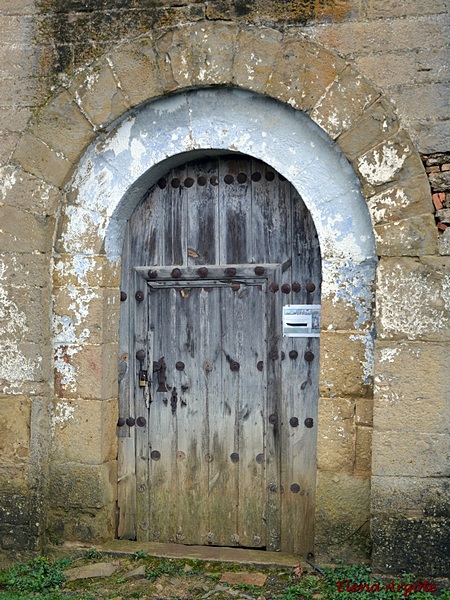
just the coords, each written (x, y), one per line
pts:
(129, 159)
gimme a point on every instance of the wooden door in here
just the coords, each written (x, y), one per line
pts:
(218, 411)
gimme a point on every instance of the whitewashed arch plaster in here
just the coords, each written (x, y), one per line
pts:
(132, 154)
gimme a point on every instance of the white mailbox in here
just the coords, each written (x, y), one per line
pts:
(301, 320)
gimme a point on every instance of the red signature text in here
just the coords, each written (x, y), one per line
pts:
(407, 588)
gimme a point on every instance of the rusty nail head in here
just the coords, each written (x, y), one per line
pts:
(259, 458)
(309, 356)
(234, 366)
(260, 365)
(286, 288)
(179, 366)
(208, 457)
(283, 355)
(175, 182)
(295, 488)
(130, 422)
(273, 487)
(162, 183)
(231, 271)
(203, 272)
(293, 422)
(309, 422)
(256, 176)
(273, 354)
(155, 455)
(296, 287)
(201, 180)
(120, 422)
(214, 180)
(310, 286)
(242, 178)
(123, 296)
(274, 287)
(140, 355)
(293, 354)
(139, 296)
(176, 273)
(188, 182)
(273, 418)
(228, 178)
(234, 456)
(259, 270)
(141, 421)
(152, 274)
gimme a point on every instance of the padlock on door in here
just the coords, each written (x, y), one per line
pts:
(143, 378)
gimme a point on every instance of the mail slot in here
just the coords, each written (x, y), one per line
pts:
(301, 320)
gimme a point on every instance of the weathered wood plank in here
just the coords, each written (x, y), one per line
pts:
(126, 488)
(202, 213)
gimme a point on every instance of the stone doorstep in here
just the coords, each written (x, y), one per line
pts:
(238, 577)
(205, 553)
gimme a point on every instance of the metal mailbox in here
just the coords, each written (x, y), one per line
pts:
(301, 320)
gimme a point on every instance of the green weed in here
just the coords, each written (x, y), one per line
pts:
(165, 567)
(36, 575)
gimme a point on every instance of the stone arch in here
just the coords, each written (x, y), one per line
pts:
(307, 84)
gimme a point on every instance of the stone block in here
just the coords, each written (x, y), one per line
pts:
(8, 143)
(212, 47)
(24, 311)
(335, 446)
(415, 236)
(302, 73)
(404, 396)
(256, 52)
(62, 127)
(411, 497)
(339, 315)
(440, 182)
(343, 102)
(20, 269)
(19, 91)
(74, 485)
(351, 38)
(363, 450)
(94, 373)
(80, 231)
(430, 136)
(87, 526)
(26, 192)
(411, 545)
(401, 201)
(342, 516)
(421, 100)
(14, 119)
(364, 411)
(99, 95)
(173, 60)
(345, 365)
(24, 231)
(14, 509)
(16, 58)
(91, 313)
(24, 367)
(410, 454)
(412, 298)
(383, 163)
(417, 66)
(84, 431)
(40, 160)
(386, 9)
(134, 65)
(377, 123)
(14, 431)
(85, 270)
(19, 7)
(16, 538)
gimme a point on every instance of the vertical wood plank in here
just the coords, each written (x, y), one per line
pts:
(203, 213)
(126, 488)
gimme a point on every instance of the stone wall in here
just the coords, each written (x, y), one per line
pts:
(345, 63)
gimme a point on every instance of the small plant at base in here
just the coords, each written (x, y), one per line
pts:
(165, 567)
(140, 554)
(36, 575)
(93, 554)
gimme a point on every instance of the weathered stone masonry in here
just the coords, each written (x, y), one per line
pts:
(57, 442)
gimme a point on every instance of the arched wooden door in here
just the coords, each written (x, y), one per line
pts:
(218, 410)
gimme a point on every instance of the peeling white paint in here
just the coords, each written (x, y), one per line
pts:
(368, 340)
(380, 165)
(62, 413)
(15, 367)
(388, 354)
